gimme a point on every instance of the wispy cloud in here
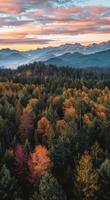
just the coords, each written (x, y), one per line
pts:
(44, 22)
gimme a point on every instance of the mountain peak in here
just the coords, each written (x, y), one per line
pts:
(8, 57)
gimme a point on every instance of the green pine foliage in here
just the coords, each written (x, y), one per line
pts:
(50, 189)
(9, 188)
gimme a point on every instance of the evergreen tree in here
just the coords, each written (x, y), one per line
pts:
(97, 155)
(104, 173)
(50, 189)
(9, 188)
(51, 114)
(35, 196)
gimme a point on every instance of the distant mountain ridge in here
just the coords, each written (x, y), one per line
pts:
(12, 58)
(78, 60)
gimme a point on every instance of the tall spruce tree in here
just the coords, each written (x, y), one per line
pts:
(50, 189)
(104, 172)
(9, 189)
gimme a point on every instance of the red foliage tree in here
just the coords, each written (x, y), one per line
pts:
(20, 156)
(26, 126)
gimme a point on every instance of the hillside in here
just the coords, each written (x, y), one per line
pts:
(39, 73)
(100, 59)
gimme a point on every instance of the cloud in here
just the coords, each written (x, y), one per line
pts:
(18, 6)
(24, 41)
(28, 21)
(10, 6)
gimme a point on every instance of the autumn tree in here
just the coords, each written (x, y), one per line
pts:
(38, 91)
(39, 163)
(43, 126)
(20, 169)
(61, 126)
(32, 107)
(26, 127)
(70, 114)
(86, 179)
(44, 131)
(20, 157)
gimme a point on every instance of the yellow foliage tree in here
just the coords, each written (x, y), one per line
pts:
(86, 179)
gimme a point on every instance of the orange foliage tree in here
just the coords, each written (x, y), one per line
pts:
(61, 126)
(43, 126)
(70, 113)
(44, 131)
(32, 107)
(39, 163)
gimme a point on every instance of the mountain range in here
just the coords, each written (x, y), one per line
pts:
(78, 60)
(74, 55)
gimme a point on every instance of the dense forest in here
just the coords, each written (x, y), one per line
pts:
(54, 133)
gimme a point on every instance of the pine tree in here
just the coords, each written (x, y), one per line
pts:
(50, 189)
(9, 188)
(35, 196)
(97, 155)
(51, 114)
(104, 172)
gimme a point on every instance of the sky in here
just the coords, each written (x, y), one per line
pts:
(31, 24)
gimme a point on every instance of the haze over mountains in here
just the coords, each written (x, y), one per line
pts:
(78, 60)
(74, 55)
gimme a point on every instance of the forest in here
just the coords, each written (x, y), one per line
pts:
(54, 133)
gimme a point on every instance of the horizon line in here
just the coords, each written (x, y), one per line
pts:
(53, 46)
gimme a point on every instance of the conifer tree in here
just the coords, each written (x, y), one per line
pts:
(97, 155)
(9, 188)
(104, 172)
(50, 189)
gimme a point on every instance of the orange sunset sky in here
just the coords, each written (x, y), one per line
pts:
(30, 24)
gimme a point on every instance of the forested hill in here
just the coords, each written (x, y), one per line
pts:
(39, 73)
(54, 133)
